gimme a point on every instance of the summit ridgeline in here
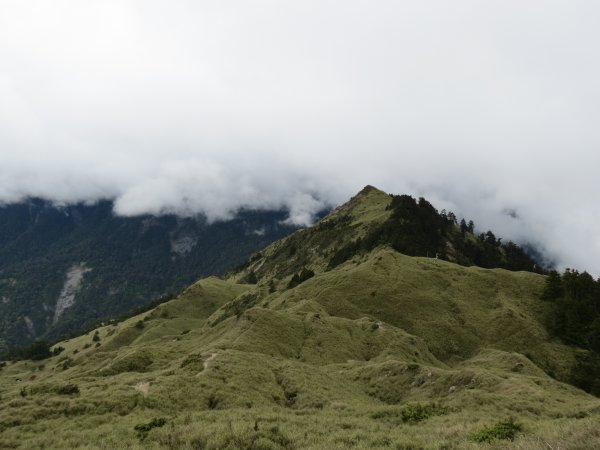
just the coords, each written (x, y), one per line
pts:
(373, 219)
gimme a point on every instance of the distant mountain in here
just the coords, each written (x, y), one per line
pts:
(334, 337)
(64, 268)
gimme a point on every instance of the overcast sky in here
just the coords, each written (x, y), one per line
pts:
(194, 106)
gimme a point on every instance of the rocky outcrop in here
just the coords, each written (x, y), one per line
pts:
(74, 279)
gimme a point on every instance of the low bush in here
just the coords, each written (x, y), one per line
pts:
(411, 413)
(236, 308)
(193, 363)
(506, 430)
(144, 428)
(136, 362)
(213, 401)
(48, 388)
(68, 389)
(417, 413)
(255, 438)
(301, 277)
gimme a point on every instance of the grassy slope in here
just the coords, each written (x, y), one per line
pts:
(457, 310)
(312, 247)
(332, 363)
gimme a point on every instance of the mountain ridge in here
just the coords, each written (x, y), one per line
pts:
(383, 350)
(370, 219)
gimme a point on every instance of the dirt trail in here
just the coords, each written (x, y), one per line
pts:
(143, 387)
(210, 358)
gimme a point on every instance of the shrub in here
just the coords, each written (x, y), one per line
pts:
(213, 401)
(301, 277)
(412, 413)
(37, 351)
(68, 389)
(66, 363)
(272, 287)
(49, 388)
(250, 278)
(255, 438)
(236, 307)
(144, 428)
(506, 430)
(134, 362)
(193, 363)
(417, 412)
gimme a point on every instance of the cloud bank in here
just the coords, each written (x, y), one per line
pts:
(207, 107)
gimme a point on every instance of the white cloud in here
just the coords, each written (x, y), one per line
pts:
(208, 107)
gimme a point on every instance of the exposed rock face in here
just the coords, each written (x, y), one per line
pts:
(74, 279)
(29, 325)
(183, 245)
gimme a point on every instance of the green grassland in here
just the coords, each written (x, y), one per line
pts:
(384, 351)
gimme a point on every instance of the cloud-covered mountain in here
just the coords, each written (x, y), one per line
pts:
(197, 108)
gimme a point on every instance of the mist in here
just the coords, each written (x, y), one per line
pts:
(488, 109)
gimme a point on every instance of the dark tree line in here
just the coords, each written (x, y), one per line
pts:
(575, 318)
(576, 312)
(37, 351)
(416, 228)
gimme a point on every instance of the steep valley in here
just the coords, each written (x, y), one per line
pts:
(64, 269)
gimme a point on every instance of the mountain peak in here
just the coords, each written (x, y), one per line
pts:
(367, 205)
(368, 188)
(312, 247)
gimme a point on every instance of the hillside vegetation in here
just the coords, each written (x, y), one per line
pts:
(64, 269)
(382, 350)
